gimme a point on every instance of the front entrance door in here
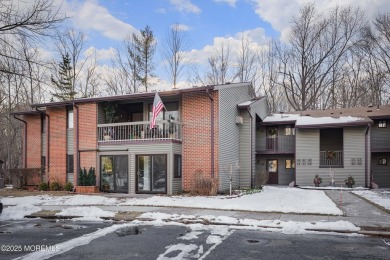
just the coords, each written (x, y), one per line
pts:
(114, 173)
(272, 169)
(151, 173)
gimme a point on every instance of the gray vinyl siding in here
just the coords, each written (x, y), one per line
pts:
(101, 117)
(168, 149)
(229, 132)
(245, 151)
(261, 138)
(380, 137)
(285, 176)
(176, 182)
(43, 144)
(381, 173)
(69, 141)
(308, 147)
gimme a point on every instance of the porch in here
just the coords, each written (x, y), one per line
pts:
(331, 159)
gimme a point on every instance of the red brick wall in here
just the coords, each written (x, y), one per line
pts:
(57, 145)
(33, 144)
(196, 117)
(87, 136)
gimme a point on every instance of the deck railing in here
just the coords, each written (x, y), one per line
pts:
(278, 143)
(331, 158)
(139, 131)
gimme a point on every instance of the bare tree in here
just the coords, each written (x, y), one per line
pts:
(246, 70)
(316, 46)
(173, 53)
(219, 69)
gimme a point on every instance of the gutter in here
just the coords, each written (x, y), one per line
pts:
(212, 131)
(368, 175)
(25, 141)
(48, 138)
(77, 147)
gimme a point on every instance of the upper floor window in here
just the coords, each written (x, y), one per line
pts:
(289, 130)
(382, 161)
(70, 119)
(382, 124)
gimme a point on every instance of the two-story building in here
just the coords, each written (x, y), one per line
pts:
(201, 129)
(294, 147)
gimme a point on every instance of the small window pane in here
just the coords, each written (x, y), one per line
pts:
(69, 164)
(70, 118)
(177, 163)
(382, 161)
(382, 124)
(290, 164)
(289, 130)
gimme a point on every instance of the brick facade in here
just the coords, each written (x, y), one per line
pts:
(33, 144)
(196, 117)
(87, 136)
(57, 144)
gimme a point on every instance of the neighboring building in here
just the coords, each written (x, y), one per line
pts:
(202, 129)
(293, 148)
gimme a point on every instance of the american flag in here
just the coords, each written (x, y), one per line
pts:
(157, 107)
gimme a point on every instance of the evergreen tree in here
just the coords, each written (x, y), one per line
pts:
(63, 85)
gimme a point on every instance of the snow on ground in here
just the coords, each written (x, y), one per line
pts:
(381, 198)
(86, 213)
(19, 211)
(271, 199)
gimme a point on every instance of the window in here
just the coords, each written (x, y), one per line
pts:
(69, 163)
(70, 119)
(382, 124)
(43, 162)
(177, 165)
(114, 170)
(290, 164)
(289, 130)
(171, 109)
(382, 161)
(43, 124)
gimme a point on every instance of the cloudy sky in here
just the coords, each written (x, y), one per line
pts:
(208, 23)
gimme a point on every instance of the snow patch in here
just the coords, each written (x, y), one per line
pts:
(19, 211)
(380, 198)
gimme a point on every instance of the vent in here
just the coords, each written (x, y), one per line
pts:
(369, 110)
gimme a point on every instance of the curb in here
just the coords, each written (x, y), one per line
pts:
(383, 232)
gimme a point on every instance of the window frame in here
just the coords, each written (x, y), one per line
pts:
(292, 164)
(382, 160)
(43, 124)
(69, 167)
(177, 166)
(382, 124)
(69, 124)
(291, 131)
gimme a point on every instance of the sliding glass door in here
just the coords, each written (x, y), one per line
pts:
(114, 173)
(151, 173)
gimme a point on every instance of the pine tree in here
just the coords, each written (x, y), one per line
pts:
(64, 88)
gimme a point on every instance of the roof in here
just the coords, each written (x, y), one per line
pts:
(370, 111)
(316, 122)
(249, 103)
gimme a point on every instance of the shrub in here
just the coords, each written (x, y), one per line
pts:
(203, 184)
(261, 179)
(349, 181)
(68, 186)
(317, 180)
(55, 186)
(87, 179)
(43, 186)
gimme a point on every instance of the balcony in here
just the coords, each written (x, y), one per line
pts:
(139, 132)
(277, 144)
(331, 159)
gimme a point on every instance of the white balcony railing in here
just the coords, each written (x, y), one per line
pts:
(139, 131)
(331, 158)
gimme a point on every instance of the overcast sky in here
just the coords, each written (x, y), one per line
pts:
(208, 23)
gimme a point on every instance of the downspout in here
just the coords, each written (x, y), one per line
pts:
(77, 145)
(25, 141)
(366, 158)
(48, 137)
(251, 144)
(212, 131)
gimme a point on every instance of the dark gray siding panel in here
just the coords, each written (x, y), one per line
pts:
(43, 144)
(176, 182)
(381, 173)
(380, 137)
(229, 132)
(285, 176)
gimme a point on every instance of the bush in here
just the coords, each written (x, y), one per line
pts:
(43, 186)
(87, 179)
(68, 186)
(203, 184)
(55, 186)
(261, 179)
